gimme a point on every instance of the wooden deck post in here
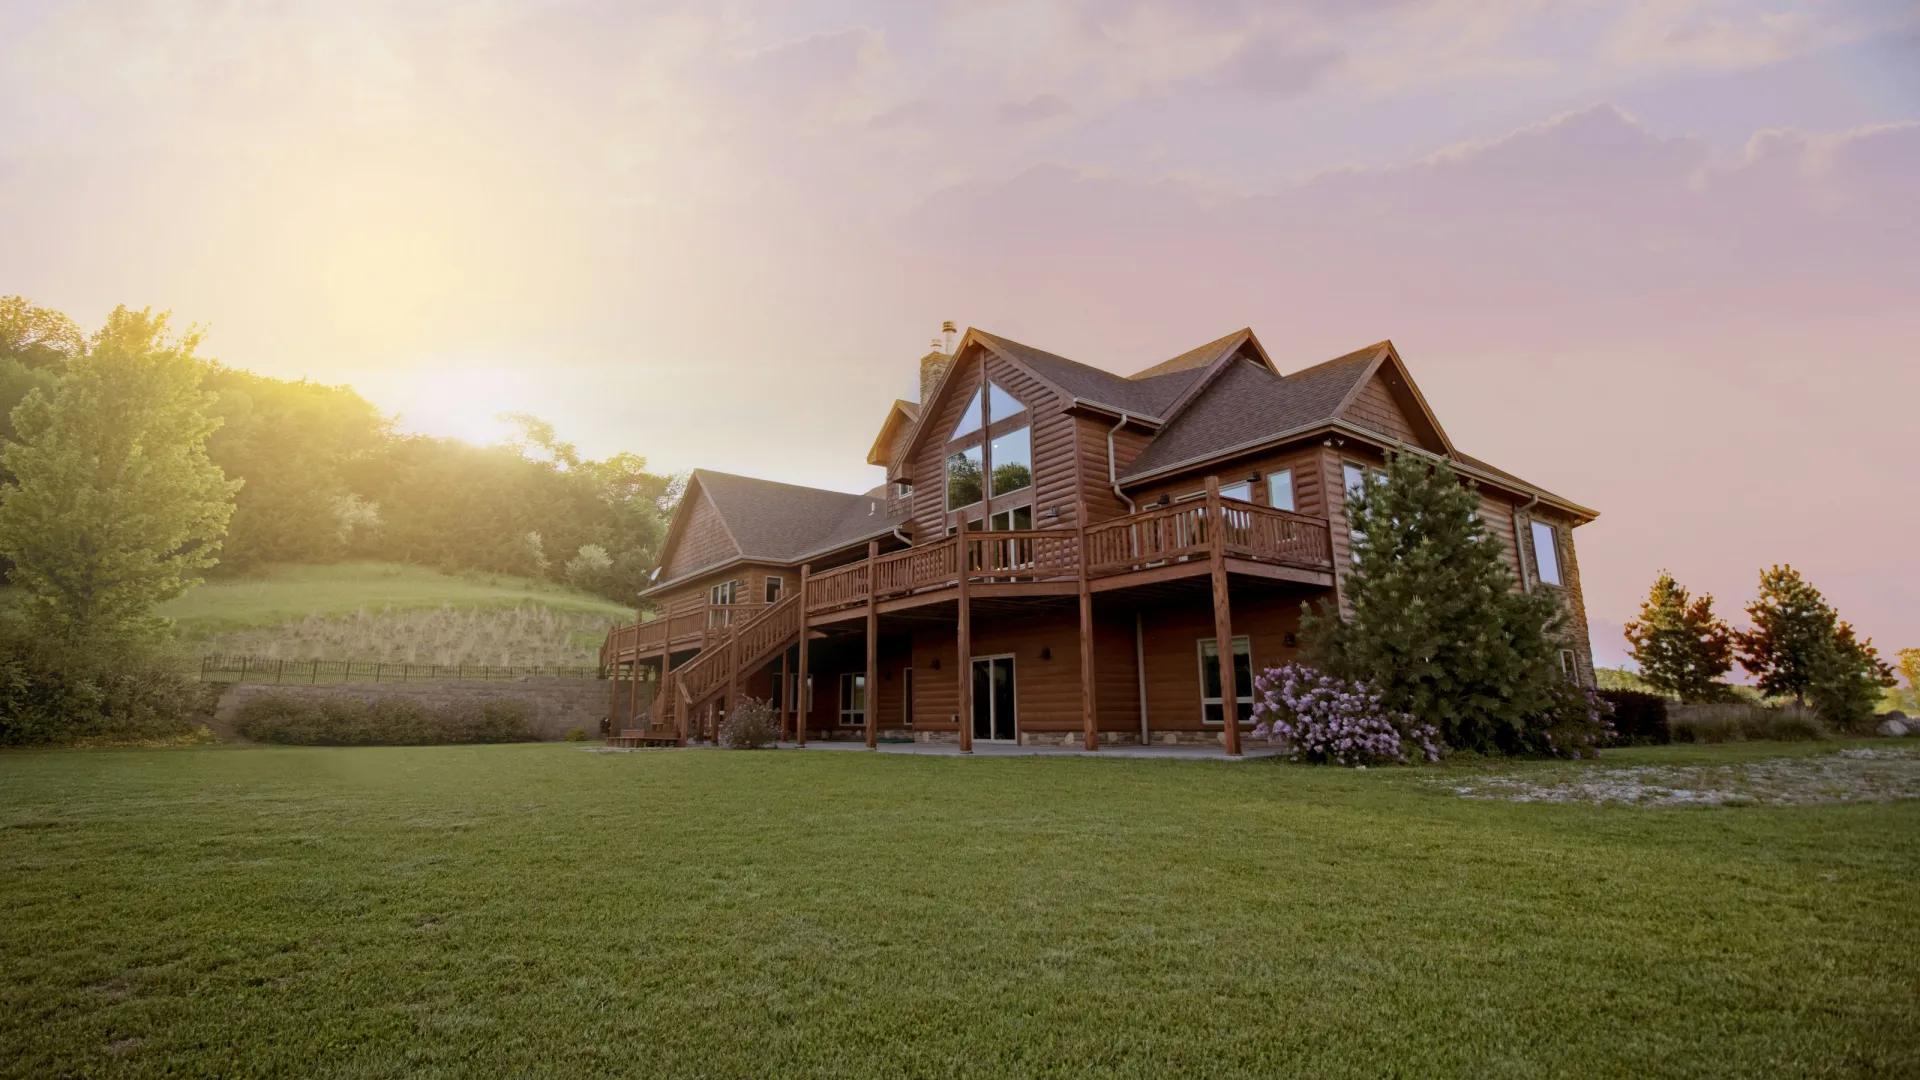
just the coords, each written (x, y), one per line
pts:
(782, 676)
(870, 707)
(1222, 616)
(733, 677)
(1089, 721)
(963, 639)
(800, 687)
(613, 701)
(633, 700)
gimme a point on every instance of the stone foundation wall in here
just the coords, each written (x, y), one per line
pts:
(558, 705)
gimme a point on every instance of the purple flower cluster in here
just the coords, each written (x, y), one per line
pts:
(1323, 720)
(1578, 727)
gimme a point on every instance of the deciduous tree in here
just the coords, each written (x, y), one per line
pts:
(1681, 646)
(114, 505)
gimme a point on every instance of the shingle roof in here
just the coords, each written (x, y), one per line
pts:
(1194, 359)
(777, 522)
(1141, 396)
(1248, 402)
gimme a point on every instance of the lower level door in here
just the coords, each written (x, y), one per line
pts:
(993, 714)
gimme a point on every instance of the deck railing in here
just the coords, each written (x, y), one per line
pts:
(1154, 537)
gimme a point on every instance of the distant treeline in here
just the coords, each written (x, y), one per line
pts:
(327, 477)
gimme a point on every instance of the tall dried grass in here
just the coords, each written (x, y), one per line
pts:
(1743, 722)
(525, 635)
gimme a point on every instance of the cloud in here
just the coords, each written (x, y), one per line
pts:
(1034, 110)
(1269, 67)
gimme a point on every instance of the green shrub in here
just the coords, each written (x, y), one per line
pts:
(1743, 722)
(1639, 718)
(383, 721)
(750, 725)
(576, 734)
(125, 689)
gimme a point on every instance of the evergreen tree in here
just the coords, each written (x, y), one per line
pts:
(1437, 625)
(1848, 681)
(1682, 648)
(114, 504)
(1793, 633)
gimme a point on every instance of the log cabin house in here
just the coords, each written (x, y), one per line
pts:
(1057, 555)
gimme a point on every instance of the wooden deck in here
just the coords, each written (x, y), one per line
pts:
(1157, 544)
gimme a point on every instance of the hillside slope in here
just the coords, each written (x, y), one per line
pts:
(390, 612)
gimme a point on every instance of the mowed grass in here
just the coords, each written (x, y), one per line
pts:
(541, 911)
(284, 593)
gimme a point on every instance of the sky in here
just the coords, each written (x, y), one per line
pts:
(1660, 258)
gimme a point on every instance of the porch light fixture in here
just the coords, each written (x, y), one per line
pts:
(1166, 499)
(936, 664)
(1253, 477)
(1046, 652)
(1053, 511)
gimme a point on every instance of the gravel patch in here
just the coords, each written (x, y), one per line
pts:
(1863, 775)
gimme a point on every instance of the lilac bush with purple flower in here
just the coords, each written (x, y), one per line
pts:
(1327, 720)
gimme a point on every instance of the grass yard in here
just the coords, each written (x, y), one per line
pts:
(538, 910)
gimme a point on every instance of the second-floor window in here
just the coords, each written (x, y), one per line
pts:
(1242, 491)
(1008, 455)
(1280, 489)
(1546, 552)
(774, 585)
(1013, 461)
(727, 592)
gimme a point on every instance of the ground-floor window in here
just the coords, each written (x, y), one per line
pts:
(853, 698)
(1211, 710)
(1569, 666)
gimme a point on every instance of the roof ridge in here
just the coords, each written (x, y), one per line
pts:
(776, 483)
(1186, 360)
(1367, 351)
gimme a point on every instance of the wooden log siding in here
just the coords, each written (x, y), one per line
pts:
(1375, 407)
(1095, 489)
(703, 543)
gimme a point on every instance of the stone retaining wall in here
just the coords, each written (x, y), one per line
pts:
(558, 705)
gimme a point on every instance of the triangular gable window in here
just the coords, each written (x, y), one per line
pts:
(970, 420)
(1001, 404)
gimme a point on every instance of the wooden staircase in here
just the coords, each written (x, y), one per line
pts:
(687, 689)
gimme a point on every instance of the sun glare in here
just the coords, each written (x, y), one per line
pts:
(462, 402)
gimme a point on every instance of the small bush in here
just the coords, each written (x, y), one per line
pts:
(1743, 722)
(576, 734)
(1639, 719)
(750, 725)
(1325, 720)
(386, 721)
(120, 690)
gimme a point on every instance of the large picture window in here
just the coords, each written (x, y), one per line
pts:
(963, 478)
(1013, 461)
(1211, 710)
(853, 698)
(970, 421)
(1001, 404)
(1546, 552)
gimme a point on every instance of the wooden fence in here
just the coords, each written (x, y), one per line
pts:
(265, 669)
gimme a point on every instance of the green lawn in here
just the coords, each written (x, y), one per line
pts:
(284, 593)
(537, 910)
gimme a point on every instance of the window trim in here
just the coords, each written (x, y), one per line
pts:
(1241, 693)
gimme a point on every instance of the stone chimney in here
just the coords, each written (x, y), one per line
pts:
(935, 363)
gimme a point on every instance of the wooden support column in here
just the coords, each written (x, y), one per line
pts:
(633, 699)
(1222, 616)
(870, 707)
(800, 686)
(1089, 721)
(666, 699)
(613, 702)
(963, 639)
(733, 677)
(782, 684)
